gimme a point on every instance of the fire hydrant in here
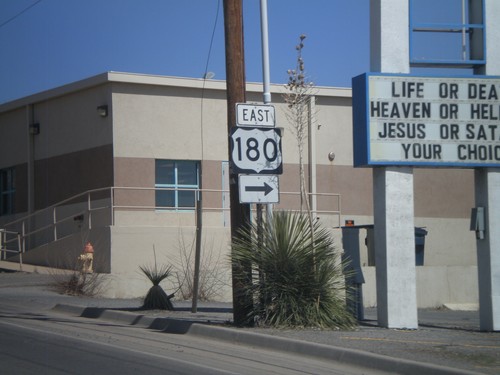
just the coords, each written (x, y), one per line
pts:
(87, 258)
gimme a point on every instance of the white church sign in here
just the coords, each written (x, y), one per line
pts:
(426, 121)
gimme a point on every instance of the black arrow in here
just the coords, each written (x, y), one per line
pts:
(266, 188)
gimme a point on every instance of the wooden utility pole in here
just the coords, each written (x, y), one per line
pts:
(235, 83)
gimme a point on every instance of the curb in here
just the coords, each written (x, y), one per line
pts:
(347, 356)
(237, 336)
(167, 325)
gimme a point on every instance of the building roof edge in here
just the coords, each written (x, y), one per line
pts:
(150, 79)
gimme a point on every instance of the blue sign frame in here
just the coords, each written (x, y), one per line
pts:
(362, 144)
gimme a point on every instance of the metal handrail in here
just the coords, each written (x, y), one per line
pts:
(112, 207)
(52, 211)
(58, 204)
(4, 250)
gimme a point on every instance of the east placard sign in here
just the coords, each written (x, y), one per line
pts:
(256, 150)
(426, 121)
(255, 115)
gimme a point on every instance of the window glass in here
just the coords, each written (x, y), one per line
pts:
(187, 173)
(165, 198)
(165, 172)
(186, 199)
(7, 191)
(177, 180)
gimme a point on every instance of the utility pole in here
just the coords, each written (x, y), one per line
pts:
(235, 88)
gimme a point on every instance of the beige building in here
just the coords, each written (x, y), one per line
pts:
(117, 159)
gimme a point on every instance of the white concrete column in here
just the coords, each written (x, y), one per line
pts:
(389, 36)
(393, 186)
(487, 185)
(487, 192)
(395, 247)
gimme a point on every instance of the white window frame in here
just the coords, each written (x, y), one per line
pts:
(175, 187)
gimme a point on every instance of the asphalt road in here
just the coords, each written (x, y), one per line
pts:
(36, 351)
(44, 342)
(448, 339)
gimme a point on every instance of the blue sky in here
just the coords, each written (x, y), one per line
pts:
(55, 42)
(60, 41)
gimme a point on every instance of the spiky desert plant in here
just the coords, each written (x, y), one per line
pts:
(157, 299)
(296, 281)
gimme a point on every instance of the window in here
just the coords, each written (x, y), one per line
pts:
(7, 191)
(448, 35)
(180, 179)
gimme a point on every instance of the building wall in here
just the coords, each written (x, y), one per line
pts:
(70, 123)
(73, 152)
(167, 118)
(13, 137)
(60, 177)
(14, 143)
(165, 123)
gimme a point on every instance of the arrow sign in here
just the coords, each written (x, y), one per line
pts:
(259, 189)
(266, 189)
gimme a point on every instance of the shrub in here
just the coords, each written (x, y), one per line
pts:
(69, 277)
(297, 275)
(157, 299)
(77, 283)
(212, 276)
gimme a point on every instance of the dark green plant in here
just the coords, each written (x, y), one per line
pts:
(157, 299)
(295, 282)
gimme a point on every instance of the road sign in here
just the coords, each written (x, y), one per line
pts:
(255, 115)
(259, 189)
(256, 150)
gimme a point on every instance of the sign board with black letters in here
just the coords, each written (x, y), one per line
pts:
(256, 150)
(426, 121)
(255, 115)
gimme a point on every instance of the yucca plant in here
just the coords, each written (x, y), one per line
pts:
(157, 299)
(297, 279)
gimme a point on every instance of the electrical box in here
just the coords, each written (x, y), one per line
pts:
(477, 222)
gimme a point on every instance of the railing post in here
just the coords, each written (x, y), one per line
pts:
(112, 199)
(20, 252)
(2, 232)
(339, 206)
(54, 222)
(23, 233)
(88, 209)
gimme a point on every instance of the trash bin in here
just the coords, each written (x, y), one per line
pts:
(353, 273)
(420, 234)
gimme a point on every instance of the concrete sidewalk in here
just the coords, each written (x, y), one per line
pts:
(447, 342)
